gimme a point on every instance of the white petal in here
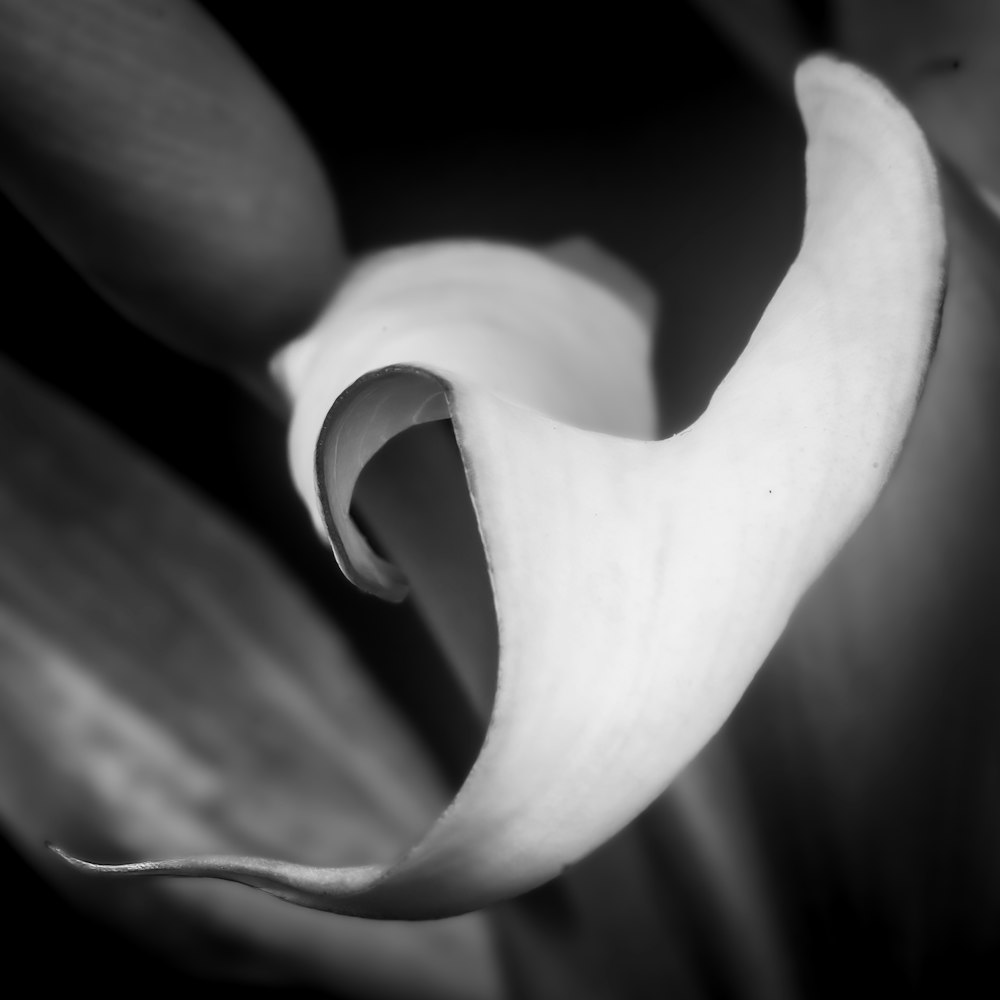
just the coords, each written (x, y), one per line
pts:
(638, 584)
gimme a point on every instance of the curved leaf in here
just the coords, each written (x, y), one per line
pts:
(155, 157)
(638, 584)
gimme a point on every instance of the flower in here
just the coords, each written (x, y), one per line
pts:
(575, 929)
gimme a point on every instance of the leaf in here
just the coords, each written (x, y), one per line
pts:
(155, 157)
(638, 584)
(164, 687)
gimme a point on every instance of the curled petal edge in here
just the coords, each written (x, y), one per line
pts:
(639, 585)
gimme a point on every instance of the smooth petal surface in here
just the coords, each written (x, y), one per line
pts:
(165, 688)
(639, 585)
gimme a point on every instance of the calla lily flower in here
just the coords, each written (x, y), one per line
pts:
(175, 695)
(638, 587)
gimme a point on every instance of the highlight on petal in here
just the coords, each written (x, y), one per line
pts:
(164, 687)
(638, 584)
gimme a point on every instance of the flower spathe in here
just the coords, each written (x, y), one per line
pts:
(638, 584)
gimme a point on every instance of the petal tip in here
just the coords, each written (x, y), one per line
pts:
(91, 867)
